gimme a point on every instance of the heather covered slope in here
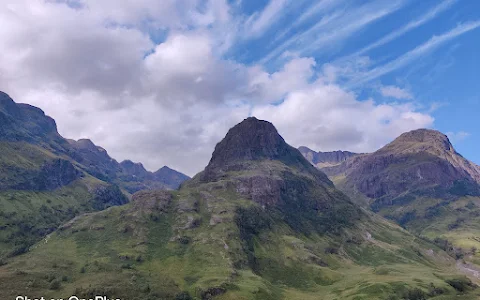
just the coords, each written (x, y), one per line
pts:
(258, 223)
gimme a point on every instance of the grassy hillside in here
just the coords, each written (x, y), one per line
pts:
(208, 240)
(37, 194)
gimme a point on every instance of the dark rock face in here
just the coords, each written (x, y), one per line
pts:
(264, 190)
(107, 196)
(321, 159)
(57, 173)
(150, 202)
(23, 122)
(52, 175)
(255, 140)
(252, 139)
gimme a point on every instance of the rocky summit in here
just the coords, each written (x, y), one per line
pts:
(251, 141)
(259, 222)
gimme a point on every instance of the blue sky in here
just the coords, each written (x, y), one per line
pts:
(161, 82)
(443, 81)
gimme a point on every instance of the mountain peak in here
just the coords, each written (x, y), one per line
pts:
(250, 142)
(251, 139)
(420, 140)
(7, 105)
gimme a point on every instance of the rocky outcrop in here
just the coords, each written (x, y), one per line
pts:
(57, 173)
(108, 196)
(150, 202)
(52, 175)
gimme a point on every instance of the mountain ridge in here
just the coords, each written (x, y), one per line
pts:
(259, 225)
(46, 180)
(325, 159)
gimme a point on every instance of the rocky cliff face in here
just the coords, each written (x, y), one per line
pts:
(325, 159)
(23, 122)
(421, 163)
(253, 141)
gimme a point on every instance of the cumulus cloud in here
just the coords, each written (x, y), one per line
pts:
(395, 92)
(95, 67)
(325, 117)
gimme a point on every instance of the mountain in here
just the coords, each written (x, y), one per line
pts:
(131, 176)
(260, 222)
(325, 159)
(421, 182)
(46, 180)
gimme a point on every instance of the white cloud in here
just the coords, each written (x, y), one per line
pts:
(258, 23)
(327, 118)
(334, 27)
(431, 14)
(417, 52)
(93, 67)
(395, 92)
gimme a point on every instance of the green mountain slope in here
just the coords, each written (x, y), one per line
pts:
(422, 183)
(258, 223)
(45, 180)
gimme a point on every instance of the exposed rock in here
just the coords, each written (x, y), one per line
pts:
(215, 219)
(151, 202)
(253, 141)
(107, 196)
(264, 190)
(187, 205)
(52, 175)
(421, 163)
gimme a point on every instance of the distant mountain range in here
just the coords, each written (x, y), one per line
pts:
(46, 180)
(325, 159)
(260, 222)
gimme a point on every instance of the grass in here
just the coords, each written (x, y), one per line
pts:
(250, 252)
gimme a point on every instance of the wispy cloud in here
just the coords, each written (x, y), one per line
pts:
(319, 7)
(414, 54)
(354, 23)
(337, 25)
(431, 14)
(258, 23)
(395, 92)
